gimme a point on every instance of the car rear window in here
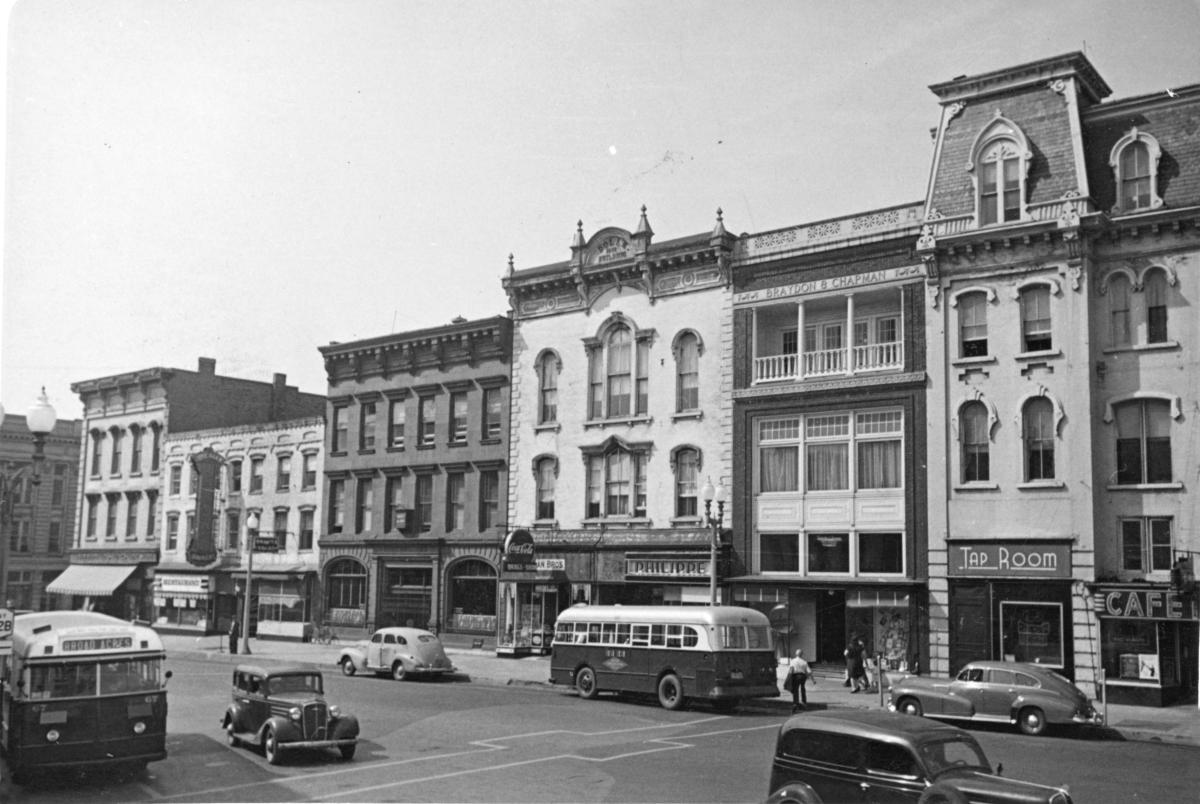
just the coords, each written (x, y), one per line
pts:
(814, 746)
(891, 759)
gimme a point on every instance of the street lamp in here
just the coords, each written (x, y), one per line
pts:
(40, 419)
(709, 494)
(251, 537)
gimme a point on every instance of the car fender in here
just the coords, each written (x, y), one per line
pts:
(355, 655)
(794, 793)
(1052, 706)
(345, 728)
(285, 729)
(232, 715)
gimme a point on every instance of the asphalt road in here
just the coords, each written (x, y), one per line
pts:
(448, 741)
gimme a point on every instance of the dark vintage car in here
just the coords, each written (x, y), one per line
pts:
(284, 709)
(875, 755)
(1030, 695)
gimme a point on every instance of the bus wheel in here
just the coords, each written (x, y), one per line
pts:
(585, 682)
(670, 692)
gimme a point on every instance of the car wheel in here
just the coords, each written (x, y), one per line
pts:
(271, 747)
(670, 692)
(939, 794)
(398, 671)
(347, 752)
(585, 682)
(231, 734)
(348, 668)
(910, 706)
(1031, 720)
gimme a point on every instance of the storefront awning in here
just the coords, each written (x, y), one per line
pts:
(90, 580)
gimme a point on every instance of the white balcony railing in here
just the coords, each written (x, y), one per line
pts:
(829, 362)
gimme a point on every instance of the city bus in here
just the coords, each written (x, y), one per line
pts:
(720, 654)
(82, 689)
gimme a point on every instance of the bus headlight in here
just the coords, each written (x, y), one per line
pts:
(139, 727)
(294, 712)
(52, 736)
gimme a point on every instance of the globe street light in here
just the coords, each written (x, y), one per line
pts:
(251, 536)
(708, 493)
(40, 420)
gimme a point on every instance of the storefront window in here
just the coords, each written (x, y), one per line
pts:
(779, 552)
(472, 601)
(828, 552)
(1032, 632)
(1129, 650)
(346, 580)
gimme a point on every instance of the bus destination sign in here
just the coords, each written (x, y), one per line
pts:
(98, 643)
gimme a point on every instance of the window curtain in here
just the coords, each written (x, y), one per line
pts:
(619, 373)
(879, 465)
(827, 467)
(780, 468)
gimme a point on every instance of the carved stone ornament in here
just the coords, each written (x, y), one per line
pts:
(1058, 85)
(926, 242)
(954, 110)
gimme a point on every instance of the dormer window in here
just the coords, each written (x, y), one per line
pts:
(1134, 160)
(999, 165)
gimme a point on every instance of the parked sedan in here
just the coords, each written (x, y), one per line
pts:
(399, 652)
(1029, 695)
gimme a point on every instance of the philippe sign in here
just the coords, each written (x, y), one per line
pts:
(518, 552)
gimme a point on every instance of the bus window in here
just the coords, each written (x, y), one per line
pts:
(62, 681)
(641, 635)
(658, 635)
(609, 634)
(733, 637)
(674, 636)
(758, 637)
(132, 675)
(690, 637)
(564, 632)
(593, 633)
(622, 633)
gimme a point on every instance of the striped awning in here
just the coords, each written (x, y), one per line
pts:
(91, 580)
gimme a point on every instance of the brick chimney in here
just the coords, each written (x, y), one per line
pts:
(278, 395)
(208, 365)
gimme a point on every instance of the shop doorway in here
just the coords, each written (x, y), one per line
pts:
(831, 626)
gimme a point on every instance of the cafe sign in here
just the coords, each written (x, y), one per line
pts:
(1144, 604)
(1010, 560)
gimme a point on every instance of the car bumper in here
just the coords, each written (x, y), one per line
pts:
(288, 746)
(1092, 719)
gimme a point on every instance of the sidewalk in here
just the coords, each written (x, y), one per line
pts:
(1179, 725)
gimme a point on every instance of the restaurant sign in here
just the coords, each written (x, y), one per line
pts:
(1144, 604)
(1010, 560)
(665, 565)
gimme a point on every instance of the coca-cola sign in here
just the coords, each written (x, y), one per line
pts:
(518, 552)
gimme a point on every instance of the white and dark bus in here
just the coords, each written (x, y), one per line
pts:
(82, 689)
(720, 654)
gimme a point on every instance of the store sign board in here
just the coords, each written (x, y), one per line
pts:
(182, 583)
(518, 552)
(1144, 604)
(665, 566)
(1010, 560)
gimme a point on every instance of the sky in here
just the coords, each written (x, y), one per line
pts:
(248, 181)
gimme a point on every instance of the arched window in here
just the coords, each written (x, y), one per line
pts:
(616, 480)
(97, 451)
(1155, 288)
(973, 432)
(1035, 319)
(687, 471)
(545, 474)
(1118, 310)
(1134, 160)
(618, 373)
(155, 444)
(471, 602)
(547, 370)
(972, 324)
(346, 585)
(687, 372)
(1143, 441)
(1000, 184)
(1038, 432)
(115, 468)
(135, 449)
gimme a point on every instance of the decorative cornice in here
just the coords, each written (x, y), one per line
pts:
(818, 386)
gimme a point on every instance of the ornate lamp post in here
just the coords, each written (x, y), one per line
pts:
(709, 494)
(40, 419)
(251, 537)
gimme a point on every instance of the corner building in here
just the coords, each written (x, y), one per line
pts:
(829, 389)
(621, 411)
(416, 465)
(1060, 243)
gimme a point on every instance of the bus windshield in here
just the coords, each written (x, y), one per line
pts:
(94, 678)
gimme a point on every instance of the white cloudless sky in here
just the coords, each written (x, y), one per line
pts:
(249, 180)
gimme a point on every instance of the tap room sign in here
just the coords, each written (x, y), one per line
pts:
(1024, 560)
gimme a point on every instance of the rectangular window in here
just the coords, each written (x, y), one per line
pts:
(779, 552)
(396, 417)
(337, 505)
(364, 503)
(366, 426)
(642, 383)
(306, 529)
(115, 470)
(545, 488)
(235, 476)
(283, 473)
(425, 502)
(1032, 632)
(458, 417)
(176, 481)
(393, 503)
(93, 514)
(97, 452)
(233, 528)
(1118, 305)
(193, 480)
(828, 552)
(881, 553)
(427, 420)
(309, 480)
(172, 532)
(190, 522)
(595, 485)
(110, 526)
(132, 499)
(54, 544)
(596, 384)
(1035, 319)
(489, 499)
(972, 318)
(18, 541)
(155, 435)
(1146, 544)
(456, 491)
(779, 455)
(135, 450)
(256, 475)
(151, 513)
(827, 465)
(59, 488)
(1143, 442)
(339, 431)
(491, 413)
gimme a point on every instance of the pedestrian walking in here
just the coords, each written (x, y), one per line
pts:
(235, 632)
(797, 681)
(856, 660)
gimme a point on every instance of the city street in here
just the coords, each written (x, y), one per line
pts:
(465, 741)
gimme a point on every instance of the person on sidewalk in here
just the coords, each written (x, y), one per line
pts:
(235, 631)
(797, 676)
(856, 656)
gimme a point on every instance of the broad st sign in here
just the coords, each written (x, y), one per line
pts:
(1010, 559)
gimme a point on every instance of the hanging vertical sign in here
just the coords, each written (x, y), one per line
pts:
(202, 544)
(518, 552)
